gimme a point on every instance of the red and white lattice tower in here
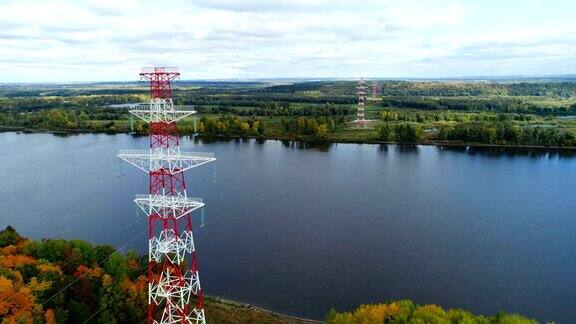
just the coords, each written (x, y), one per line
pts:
(360, 120)
(375, 89)
(174, 292)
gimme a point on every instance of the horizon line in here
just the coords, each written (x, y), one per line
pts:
(312, 79)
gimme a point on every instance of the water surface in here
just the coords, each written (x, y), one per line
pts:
(301, 229)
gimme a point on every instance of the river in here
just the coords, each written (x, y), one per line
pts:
(299, 228)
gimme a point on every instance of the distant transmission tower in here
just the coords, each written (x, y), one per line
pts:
(360, 121)
(375, 89)
(174, 292)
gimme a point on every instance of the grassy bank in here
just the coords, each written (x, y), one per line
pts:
(219, 310)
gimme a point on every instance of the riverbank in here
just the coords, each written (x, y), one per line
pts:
(308, 139)
(220, 310)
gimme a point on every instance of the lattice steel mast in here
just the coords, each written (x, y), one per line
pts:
(360, 120)
(174, 291)
(375, 89)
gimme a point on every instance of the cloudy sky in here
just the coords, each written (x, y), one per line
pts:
(97, 40)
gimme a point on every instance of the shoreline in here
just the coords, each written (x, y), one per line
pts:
(229, 302)
(454, 144)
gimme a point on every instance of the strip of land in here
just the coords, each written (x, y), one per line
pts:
(513, 113)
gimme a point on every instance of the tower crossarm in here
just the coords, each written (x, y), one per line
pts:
(177, 206)
(160, 110)
(170, 160)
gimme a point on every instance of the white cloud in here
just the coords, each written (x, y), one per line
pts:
(109, 39)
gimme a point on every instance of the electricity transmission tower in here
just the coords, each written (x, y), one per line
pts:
(375, 89)
(360, 120)
(174, 291)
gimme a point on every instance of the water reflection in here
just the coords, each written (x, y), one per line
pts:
(406, 148)
(213, 139)
(428, 217)
(497, 152)
(303, 145)
(322, 146)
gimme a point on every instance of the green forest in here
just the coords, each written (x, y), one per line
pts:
(73, 281)
(527, 113)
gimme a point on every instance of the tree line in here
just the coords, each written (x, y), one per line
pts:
(503, 104)
(230, 126)
(313, 127)
(388, 115)
(256, 99)
(274, 109)
(501, 133)
(507, 134)
(316, 127)
(96, 119)
(478, 88)
(406, 311)
(117, 120)
(400, 133)
(67, 102)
